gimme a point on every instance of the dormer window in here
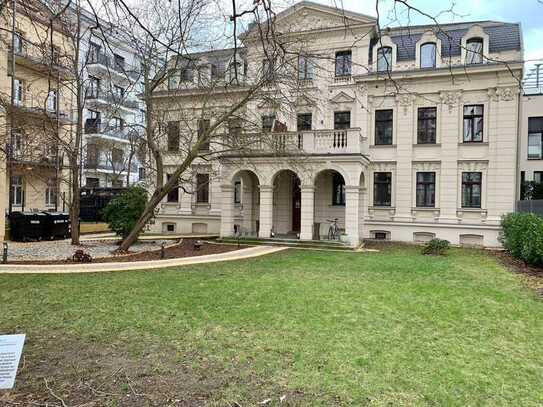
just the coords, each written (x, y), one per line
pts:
(343, 63)
(384, 59)
(428, 55)
(474, 51)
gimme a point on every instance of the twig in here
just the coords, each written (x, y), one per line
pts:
(53, 393)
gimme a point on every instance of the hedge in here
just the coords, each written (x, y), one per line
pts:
(522, 237)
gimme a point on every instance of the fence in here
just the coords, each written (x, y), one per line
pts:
(531, 206)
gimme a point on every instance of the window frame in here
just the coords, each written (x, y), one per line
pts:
(343, 63)
(421, 55)
(535, 129)
(51, 192)
(470, 53)
(424, 125)
(467, 190)
(237, 192)
(16, 189)
(471, 118)
(338, 189)
(427, 188)
(381, 56)
(202, 188)
(264, 125)
(173, 195)
(304, 122)
(383, 183)
(340, 124)
(388, 122)
(305, 68)
(203, 127)
(173, 138)
(52, 100)
(19, 96)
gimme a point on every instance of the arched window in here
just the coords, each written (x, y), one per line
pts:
(428, 55)
(474, 51)
(384, 59)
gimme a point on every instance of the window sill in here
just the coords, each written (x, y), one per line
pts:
(534, 159)
(425, 208)
(472, 210)
(337, 205)
(473, 143)
(383, 146)
(388, 208)
(427, 145)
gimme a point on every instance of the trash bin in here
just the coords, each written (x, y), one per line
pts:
(316, 231)
(57, 225)
(27, 225)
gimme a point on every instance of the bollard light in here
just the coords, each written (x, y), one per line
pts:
(197, 245)
(162, 250)
(5, 253)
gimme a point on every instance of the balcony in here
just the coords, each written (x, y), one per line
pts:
(96, 128)
(108, 99)
(311, 142)
(107, 64)
(25, 154)
(42, 59)
(32, 107)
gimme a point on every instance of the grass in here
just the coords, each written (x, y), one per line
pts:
(388, 328)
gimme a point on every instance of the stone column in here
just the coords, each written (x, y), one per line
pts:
(266, 211)
(352, 214)
(227, 213)
(247, 208)
(308, 211)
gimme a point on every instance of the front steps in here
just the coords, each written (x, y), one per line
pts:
(295, 243)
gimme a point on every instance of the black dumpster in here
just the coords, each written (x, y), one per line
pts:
(27, 225)
(57, 225)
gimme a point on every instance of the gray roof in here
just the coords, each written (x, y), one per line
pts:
(502, 37)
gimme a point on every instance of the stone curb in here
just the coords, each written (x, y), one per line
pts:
(138, 265)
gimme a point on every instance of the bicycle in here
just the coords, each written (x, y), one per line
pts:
(333, 229)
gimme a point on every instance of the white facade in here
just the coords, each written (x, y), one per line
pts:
(424, 175)
(113, 114)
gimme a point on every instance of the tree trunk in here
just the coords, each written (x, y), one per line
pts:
(75, 206)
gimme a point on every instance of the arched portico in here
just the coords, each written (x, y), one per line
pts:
(287, 204)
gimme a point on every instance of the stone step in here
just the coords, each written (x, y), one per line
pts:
(314, 244)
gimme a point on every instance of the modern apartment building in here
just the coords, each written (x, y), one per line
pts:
(113, 114)
(37, 114)
(405, 135)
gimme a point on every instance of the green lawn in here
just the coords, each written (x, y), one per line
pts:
(321, 328)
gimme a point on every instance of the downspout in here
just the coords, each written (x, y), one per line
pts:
(12, 106)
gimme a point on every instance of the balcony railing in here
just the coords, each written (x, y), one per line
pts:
(40, 56)
(346, 141)
(109, 98)
(96, 127)
(109, 62)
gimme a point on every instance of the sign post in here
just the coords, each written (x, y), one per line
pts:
(11, 347)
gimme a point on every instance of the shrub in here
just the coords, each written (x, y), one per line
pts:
(436, 247)
(522, 237)
(122, 212)
(81, 256)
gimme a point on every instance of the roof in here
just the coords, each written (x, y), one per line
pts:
(502, 37)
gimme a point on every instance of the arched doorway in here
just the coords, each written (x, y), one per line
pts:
(246, 201)
(287, 204)
(330, 200)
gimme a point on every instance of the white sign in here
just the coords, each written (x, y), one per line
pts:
(11, 347)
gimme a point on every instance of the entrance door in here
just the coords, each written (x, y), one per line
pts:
(296, 204)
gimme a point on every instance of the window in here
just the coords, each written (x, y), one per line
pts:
(117, 156)
(473, 123)
(202, 188)
(218, 70)
(426, 131)
(187, 75)
(19, 43)
(267, 122)
(141, 173)
(94, 52)
(203, 132)
(173, 79)
(52, 101)
(538, 177)
(17, 146)
(343, 63)
(118, 61)
(267, 70)
(384, 59)
(474, 51)
(428, 55)
(173, 195)
(426, 189)
(235, 71)
(117, 123)
(92, 155)
(118, 92)
(51, 192)
(382, 189)
(304, 121)
(535, 138)
(305, 68)
(117, 183)
(173, 136)
(234, 128)
(471, 189)
(16, 192)
(237, 192)
(383, 127)
(342, 120)
(338, 189)
(92, 124)
(18, 91)
(93, 90)
(92, 182)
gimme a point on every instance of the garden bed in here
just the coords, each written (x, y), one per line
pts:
(143, 251)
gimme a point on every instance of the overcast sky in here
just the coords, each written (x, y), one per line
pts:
(527, 12)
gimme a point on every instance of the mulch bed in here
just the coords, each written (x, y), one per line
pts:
(183, 249)
(532, 274)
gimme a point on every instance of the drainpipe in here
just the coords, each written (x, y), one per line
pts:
(12, 106)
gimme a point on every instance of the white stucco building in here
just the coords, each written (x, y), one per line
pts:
(405, 136)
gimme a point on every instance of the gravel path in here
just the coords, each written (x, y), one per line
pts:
(62, 249)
